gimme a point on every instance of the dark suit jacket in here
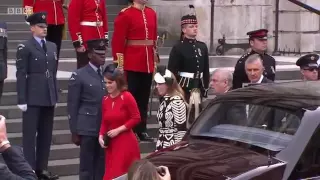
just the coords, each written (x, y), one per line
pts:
(266, 80)
(16, 167)
(36, 73)
(3, 52)
(86, 90)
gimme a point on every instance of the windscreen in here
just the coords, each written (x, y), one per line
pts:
(258, 125)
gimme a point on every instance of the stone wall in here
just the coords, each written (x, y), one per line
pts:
(234, 18)
(299, 29)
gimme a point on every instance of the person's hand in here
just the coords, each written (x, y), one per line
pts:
(164, 173)
(101, 141)
(114, 132)
(81, 49)
(76, 139)
(3, 134)
(23, 107)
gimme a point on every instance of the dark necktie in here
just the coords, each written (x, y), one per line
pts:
(44, 46)
(99, 73)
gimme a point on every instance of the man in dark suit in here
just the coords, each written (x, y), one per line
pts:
(37, 94)
(16, 167)
(3, 55)
(86, 90)
(309, 66)
(258, 41)
(254, 70)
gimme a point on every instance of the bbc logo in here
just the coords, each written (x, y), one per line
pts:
(14, 11)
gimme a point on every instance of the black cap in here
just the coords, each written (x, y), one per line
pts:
(260, 34)
(308, 61)
(37, 18)
(98, 46)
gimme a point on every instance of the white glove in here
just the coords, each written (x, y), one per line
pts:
(23, 107)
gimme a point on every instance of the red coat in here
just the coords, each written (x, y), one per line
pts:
(53, 8)
(123, 149)
(130, 25)
(88, 11)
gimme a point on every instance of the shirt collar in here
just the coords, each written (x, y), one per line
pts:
(93, 67)
(39, 40)
(260, 80)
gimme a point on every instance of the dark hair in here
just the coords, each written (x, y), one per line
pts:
(114, 74)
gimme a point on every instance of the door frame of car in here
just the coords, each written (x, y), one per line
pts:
(292, 153)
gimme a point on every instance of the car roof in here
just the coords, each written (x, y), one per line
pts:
(289, 95)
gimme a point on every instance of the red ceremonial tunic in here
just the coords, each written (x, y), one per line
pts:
(123, 149)
(53, 8)
(87, 20)
(135, 24)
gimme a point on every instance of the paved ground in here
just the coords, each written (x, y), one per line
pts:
(66, 66)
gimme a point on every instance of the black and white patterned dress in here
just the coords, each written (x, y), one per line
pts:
(172, 118)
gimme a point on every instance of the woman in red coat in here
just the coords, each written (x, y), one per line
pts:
(119, 115)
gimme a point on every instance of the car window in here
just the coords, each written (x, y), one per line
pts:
(258, 125)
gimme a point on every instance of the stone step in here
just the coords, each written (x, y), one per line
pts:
(10, 98)
(21, 17)
(68, 169)
(12, 44)
(70, 53)
(17, 9)
(64, 136)
(13, 112)
(22, 26)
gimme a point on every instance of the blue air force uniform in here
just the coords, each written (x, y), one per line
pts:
(37, 95)
(85, 93)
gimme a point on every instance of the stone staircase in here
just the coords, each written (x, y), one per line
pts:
(64, 155)
(18, 30)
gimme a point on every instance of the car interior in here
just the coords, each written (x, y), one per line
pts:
(308, 165)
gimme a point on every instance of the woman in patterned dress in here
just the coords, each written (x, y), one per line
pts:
(172, 112)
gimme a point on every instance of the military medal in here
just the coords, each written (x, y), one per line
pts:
(199, 51)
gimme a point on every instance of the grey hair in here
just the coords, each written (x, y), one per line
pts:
(253, 58)
(226, 74)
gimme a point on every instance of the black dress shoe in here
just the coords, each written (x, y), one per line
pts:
(144, 137)
(46, 175)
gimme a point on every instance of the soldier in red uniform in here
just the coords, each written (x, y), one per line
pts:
(87, 20)
(134, 50)
(55, 18)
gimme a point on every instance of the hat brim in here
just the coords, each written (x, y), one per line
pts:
(99, 51)
(42, 25)
(159, 79)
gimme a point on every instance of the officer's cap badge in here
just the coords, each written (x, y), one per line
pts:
(312, 58)
(102, 43)
(43, 16)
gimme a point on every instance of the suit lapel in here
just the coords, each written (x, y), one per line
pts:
(37, 45)
(91, 71)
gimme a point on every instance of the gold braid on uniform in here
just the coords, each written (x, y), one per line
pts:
(195, 99)
(28, 10)
(119, 60)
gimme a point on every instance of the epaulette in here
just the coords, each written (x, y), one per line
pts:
(246, 55)
(124, 9)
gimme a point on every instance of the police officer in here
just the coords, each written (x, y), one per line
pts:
(37, 94)
(309, 66)
(86, 89)
(258, 43)
(189, 61)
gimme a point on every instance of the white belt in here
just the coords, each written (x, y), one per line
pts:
(88, 23)
(189, 75)
(3, 32)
